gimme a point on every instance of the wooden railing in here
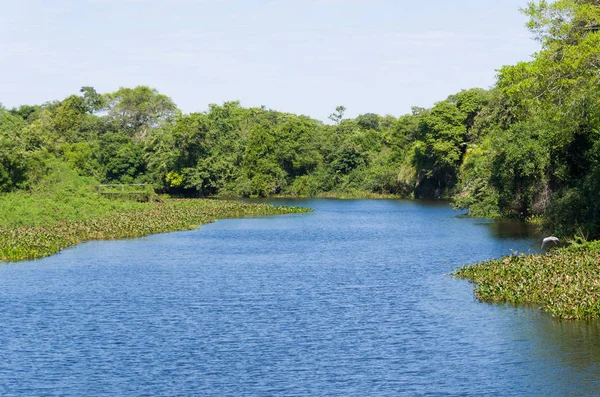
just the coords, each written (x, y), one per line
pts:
(124, 188)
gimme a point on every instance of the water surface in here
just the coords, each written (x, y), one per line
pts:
(351, 300)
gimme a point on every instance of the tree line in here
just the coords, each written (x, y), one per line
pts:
(529, 147)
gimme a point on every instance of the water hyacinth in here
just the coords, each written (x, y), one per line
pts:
(32, 242)
(565, 283)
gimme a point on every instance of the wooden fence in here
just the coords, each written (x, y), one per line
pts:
(124, 189)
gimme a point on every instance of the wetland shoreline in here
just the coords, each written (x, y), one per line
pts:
(27, 242)
(564, 283)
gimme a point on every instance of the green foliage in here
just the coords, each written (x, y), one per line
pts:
(439, 148)
(120, 156)
(519, 162)
(565, 283)
(137, 110)
(13, 170)
(527, 148)
(174, 179)
(537, 135)
(298, 146)
(307, 186)
(94, 102)
(43, 239)
(59, 194)
(24, 111)
(260, 168)
(13, 162)
(346, 158)
(563, 21)
(476, 192)
(369, 121)
(338, 115)
(80, 157)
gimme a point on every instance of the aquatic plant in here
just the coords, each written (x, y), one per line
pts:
(565, 282)
(37, 241)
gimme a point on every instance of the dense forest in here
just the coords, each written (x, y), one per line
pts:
(527, 148)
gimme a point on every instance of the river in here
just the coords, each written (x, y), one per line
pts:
(351, 300)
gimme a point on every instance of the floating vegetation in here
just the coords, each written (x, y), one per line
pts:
(565, 282)
(32, 242)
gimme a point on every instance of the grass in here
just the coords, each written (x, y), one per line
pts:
(564, 283)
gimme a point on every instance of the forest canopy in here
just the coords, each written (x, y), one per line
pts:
(529, 147)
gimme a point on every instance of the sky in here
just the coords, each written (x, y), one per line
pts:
(300, 56)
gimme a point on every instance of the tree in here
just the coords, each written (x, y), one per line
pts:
(137, 110)
(94, 102)
(13, 159)
(260, 165)
(24, 111)
(173, 153)
(338, 115)
(121, 158)
(369, 121)
(563, 21)
(298, 146)
(68, 117)
(439, 149)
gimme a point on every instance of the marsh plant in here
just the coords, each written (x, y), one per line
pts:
(37, 241)
(565, 282)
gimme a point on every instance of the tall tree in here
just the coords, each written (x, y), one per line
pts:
(137, 110)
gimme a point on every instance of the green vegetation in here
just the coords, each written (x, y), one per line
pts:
(565, 283)
(61, 195)
(30, 242)
(65, 209)
(528, 148)
(535, 154)
(537, 147)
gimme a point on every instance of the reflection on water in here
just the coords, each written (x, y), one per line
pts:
(571, 347)
(348, 300)
(507, 229)
(576, 342)
(514, 230)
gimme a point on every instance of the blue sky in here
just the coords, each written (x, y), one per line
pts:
(301, 56)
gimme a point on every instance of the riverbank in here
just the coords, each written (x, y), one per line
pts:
(356, 195)
(33, 241)
(564, 283)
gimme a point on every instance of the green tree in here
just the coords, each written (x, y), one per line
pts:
(94, 101)
(259, 166)
(13, 159)
(298, 146)
(121, 157)
(338, 115)
(174, 151)
(439, 148)
(137, 110)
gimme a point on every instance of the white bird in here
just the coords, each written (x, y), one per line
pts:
(550, 242)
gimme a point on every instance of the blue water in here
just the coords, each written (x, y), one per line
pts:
(351, 300)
